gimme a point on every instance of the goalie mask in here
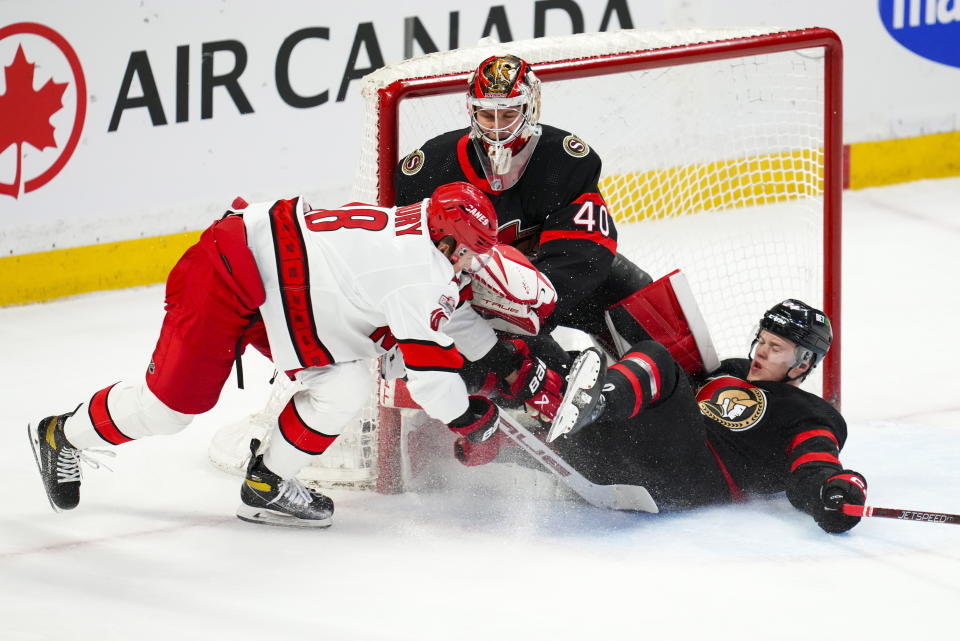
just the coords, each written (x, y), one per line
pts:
(503, 102)
(805, 326)
(464, 213)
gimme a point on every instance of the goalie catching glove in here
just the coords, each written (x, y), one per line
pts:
(511, 293)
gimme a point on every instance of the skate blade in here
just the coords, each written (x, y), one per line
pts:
(35, 446)
(563, 423)
(263, 516)
(584, 374)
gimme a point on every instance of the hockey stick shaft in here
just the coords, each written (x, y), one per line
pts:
(903, 515)
(614, 497)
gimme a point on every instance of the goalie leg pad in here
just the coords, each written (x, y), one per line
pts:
(667, 312)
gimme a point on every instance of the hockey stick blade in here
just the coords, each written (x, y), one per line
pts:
(903, 515)
(632, 498)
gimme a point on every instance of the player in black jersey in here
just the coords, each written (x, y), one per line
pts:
(748, 429)
(543, 182)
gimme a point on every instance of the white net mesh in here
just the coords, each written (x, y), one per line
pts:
(713, 167)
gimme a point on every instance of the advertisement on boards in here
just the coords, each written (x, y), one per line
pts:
(128, 120)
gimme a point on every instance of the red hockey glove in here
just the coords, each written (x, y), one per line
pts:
(847, 487)
(480, 420)
(470, 453)
(479, 440)
(537, 386)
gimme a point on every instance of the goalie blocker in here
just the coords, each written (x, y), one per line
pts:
(512, 294)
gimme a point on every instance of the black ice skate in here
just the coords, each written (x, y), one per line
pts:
(583, 401)
(58, 462)
(271, 500)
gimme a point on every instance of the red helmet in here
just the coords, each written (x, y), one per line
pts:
(464, 212)
(504, 82)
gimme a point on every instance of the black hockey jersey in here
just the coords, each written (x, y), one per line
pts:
(554, 213)
(770, 437)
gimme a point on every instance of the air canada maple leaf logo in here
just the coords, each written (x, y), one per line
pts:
(26, 113)
(29, 101)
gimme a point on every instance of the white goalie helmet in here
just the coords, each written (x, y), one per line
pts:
(503, 101)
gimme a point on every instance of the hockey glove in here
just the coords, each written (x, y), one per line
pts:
(536, 386)
(479, 422)
(470, 453)
(479, 437)
(847, 487)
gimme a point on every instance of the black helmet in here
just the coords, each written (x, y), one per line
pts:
(809, 328)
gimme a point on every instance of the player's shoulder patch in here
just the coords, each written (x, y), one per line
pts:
(575, 146)
(413, 163)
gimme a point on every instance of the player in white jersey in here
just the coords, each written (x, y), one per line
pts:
(320, 292)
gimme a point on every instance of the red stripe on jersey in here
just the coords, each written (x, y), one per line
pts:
(424, 355)
(735, 492)
(294, 276)
(467, 167)
(635, 383)
(466, 294)
(299, 434)
(593, 197)
(595, 237)
(654, 371)
(102, 421)
(814, 457)
(809, 434)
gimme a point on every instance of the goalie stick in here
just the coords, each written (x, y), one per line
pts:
(903, 515)
(613, 497)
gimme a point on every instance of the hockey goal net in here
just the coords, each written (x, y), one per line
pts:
(722, 156)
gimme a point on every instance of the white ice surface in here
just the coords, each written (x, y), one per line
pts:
(154, 551)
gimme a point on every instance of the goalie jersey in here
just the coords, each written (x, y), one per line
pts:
(555, 213)
(348, 284)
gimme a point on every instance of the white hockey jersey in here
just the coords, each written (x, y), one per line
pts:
(346, 284)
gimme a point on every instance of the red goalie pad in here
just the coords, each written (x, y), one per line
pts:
(667, 311)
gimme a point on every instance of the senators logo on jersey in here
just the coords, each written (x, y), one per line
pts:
(575, 146)
(732, 402)
(412, 163)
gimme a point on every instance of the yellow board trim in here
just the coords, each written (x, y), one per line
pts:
(29, 278)
(874, 164)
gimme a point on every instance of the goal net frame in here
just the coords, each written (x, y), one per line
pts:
(393, 91)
